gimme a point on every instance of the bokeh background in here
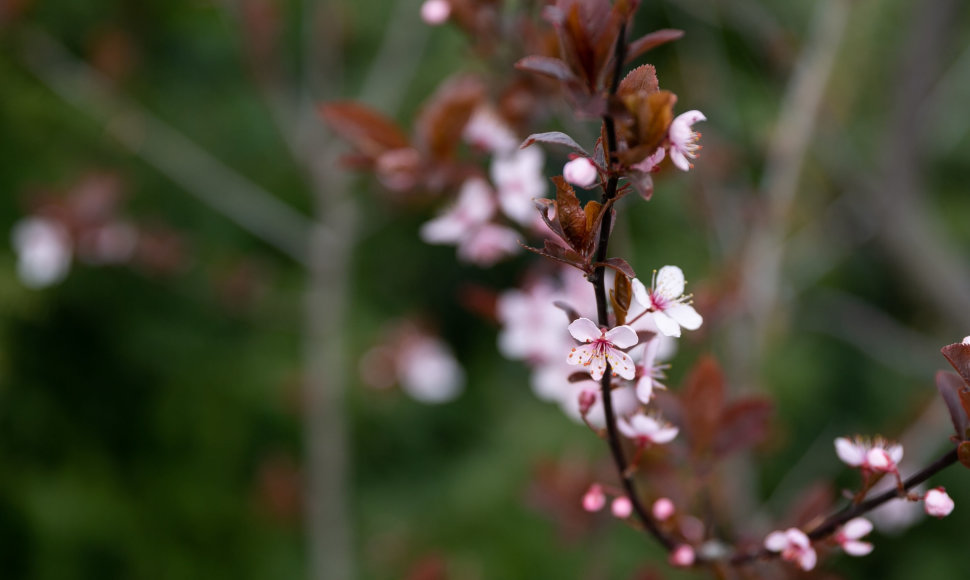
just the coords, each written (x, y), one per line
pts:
(159, 399)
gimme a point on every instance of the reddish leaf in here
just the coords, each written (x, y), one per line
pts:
(570, 214)
(560, 254)
(444, 116)
(592, 210)
(368, 131)
(963, 453)
(619, 265)
(703, 398)
(620, 296)
(546, 66)
(643, 78)
(651, 41)
(544, 206)
(744, 424)
(554, 138)
(579, 377)
(956, 396)
(645, 336)
(593, 228)
(642, 183)
(959, 356)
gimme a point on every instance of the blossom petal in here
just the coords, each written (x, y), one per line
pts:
(850, 453)
(679, 159)
(666, 325)
(584, 330)
(581, 355)
(895, 452)
(808, 559)
(645, 389)
(665, 434)
(776, 541)
(690, 117)
(597, 367)
(856, 528)
(622, 336)
(685, 315)
(625, 428)
(670, 282)
(622, 364)
(640, 293)
(857, 548)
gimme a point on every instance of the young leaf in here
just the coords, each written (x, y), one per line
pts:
(620, 297)
(651, 41)
(570, 214)
(570, 312)
(546, 66)
(703, 399)
(959, 356)
(642, 183)
(963, 453)
(620, 265)
(744, 424)
(643, 78)
(554, 138)
(591, 210)
(370, 132)
(956, 396)
(444, 116)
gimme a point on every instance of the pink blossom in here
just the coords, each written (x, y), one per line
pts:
(602, 347)
(467, 225)
(519, 179)
(794, 546)
(645, 430)
(580, 171)
(594, 499)
(487, 130)
(435, 12)
(877, 455)
(649, 371)
(587, 398)
(670, 307)
(848, 537)
(683, 139)
(938, 503)
(682, 556)
(966, 340)
(662, 509)
(622, 507)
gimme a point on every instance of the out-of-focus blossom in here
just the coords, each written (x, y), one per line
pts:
(398, 169)
(649, 371)
(848, 537)
(594, 499)
(671, 308)
(938, 503)
(602, 347)
(966, 340)
(580, 171)
(683, 139)
(662, 509)
(421, 363)
(112, 243)
(683, 556)
(876, 455)
(467, 224)
(43, 249)
(533, 328)
(518, 178)
(435, 12)
(645, 430)
(622, 507)
(429, 372)
(794, 546)
(487, 131)
(624, 404)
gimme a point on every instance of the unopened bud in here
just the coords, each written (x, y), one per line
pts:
(662, 509)
(682, 556)
(938, 503)
(594, 499)
(581, 172)
(587, 399)
(435, 12)
(622, 507)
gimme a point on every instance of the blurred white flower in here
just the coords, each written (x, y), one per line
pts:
(848, 537)
(518, 178)
(794, 546)
(44, 251)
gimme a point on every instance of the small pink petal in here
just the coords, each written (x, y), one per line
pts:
(856, 528)
(776, 541)
(849, 452)
(594, 499)
(807, 559)
(580, 171)
(857, 548)
(622, 336)
(585, 330)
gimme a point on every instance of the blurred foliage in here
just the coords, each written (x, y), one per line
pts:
(150, 423)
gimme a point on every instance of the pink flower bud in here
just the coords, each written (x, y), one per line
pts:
(587, 398)
(662, 509)
(622, 507)
(937, 503)
(682, 556)
(580, 171)
(435, 12)
(594, 499)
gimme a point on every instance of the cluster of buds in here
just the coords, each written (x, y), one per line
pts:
(595, 499)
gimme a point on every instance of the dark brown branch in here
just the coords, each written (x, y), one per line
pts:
(599, 286)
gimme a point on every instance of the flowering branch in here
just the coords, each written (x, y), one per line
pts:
(599, 285)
